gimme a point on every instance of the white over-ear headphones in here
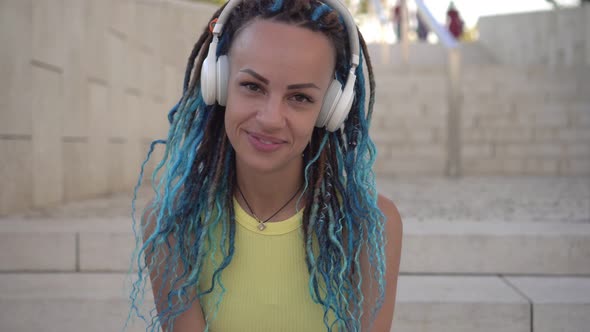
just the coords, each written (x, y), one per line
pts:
(337, 101)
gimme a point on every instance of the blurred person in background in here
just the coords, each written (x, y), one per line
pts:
(454, 21)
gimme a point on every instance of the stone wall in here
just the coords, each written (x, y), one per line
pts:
(86, 84)
(525, 110)
(558, 37)
(514, 121)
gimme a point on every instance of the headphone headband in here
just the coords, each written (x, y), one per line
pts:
(352, 32)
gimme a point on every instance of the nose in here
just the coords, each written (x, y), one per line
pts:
(271, 114)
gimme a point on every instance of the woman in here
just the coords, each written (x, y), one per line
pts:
(266, 216)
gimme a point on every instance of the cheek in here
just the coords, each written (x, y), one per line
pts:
(306, 136)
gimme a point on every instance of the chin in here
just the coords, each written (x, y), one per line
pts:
(269, 165)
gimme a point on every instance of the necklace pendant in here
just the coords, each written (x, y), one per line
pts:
(261, 226)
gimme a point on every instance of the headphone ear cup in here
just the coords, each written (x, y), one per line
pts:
(336, 119)
(329, 104)
(208, 84)
(222, 79)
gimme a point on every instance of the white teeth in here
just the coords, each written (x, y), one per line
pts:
(265, 141)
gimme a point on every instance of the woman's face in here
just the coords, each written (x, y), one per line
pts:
(279, 74)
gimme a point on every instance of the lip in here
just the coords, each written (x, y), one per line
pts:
(264, 143)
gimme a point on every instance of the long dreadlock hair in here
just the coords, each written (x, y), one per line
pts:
(195, 180)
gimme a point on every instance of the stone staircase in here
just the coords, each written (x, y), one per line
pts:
(523, 265)
(514, 120)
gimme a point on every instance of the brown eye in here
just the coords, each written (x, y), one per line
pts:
(253, 87)
(301, 98)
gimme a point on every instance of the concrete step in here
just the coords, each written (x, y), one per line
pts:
(428, 55)
(495, 80)
(479, 303)
(64, 302)
(69, 302)
(434, 246)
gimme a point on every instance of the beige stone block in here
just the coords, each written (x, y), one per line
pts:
(106, 251)
(434, 151)
(47, 128)
(421, 135)
(578, 150)
(494, 166)
(513, 166)
(133, 150)
(496, 247)
(122, 17)
(134, 156)
(500, 120)
(540, 166)
(553, 135)
(118, 113)
(148, 22)
(424, 119)
(561, 317)
(547, 150)
(133, 116)
(477, 150)
(551, 118)
(47, 251)
(152, 115)
(48, 38)
(76, 166)
(442, 303)
(559, 304)
(171, 42)
(134, 75)
(96, 45)
(16, 175)
(573, 135)
(482, 166)
(151, 74)
(173, 81)
(15, 54)
(581, 117)
(68, 302)
(75, 115)
(161, 118)
(383, 137)
(116, 168)
(414, 166)
(118, 71)
(99, 114)
(508, 134)
(575, 166)
(474, 135)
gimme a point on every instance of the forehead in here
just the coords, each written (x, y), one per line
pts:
(277, 45)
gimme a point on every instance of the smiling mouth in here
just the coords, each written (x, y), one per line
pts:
(263, 143)
(266, 139)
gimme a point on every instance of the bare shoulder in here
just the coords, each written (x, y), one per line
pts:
(393, 238)
(393, 220)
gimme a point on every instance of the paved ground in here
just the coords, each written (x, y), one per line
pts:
(538, 199)
(519, 199)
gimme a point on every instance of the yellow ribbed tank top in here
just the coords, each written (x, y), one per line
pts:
(267, 282)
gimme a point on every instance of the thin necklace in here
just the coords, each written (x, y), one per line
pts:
(261, 224)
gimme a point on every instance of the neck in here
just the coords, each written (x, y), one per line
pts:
(266, 193)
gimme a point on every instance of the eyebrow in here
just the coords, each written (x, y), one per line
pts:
(266, 81)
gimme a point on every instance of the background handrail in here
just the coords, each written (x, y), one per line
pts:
(441, 32)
